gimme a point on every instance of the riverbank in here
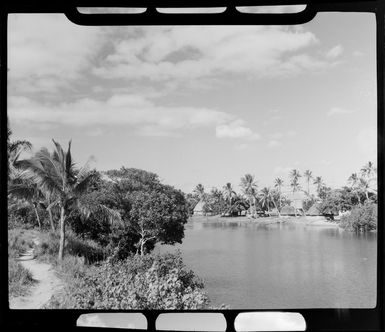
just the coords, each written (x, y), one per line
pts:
(302, 220)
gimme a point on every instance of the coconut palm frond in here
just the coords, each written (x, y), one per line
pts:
(19, 145)
(22, 191)
(84, 171)
(49, 164)
(35, 172)
(69, 164)
(82, 183)
(59, 152)
(111, 214)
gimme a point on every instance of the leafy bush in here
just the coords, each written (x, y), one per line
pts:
(152, 281)
(19, 278)
(19, 240)
(361, 218)
(49, 247)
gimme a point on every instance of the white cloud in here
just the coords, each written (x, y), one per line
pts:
(182, 53)
(139, 112)
(335, 52)
(235, 129)
(339, 111)
(46, 51)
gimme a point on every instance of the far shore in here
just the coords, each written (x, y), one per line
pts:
(301, 220)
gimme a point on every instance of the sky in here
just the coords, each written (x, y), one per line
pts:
(199, 104)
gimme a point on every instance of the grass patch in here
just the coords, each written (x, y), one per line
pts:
(20, 240)
(72, 270)
(89, 250)
(19, 278)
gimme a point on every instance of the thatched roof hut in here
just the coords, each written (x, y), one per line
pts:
(314, 210)
(198, 209)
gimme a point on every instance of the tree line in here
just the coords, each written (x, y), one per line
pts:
(359, 189)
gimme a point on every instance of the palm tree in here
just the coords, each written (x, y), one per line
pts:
(228, 192)
(294, 184)
(27, 190)
(199, 190)
(308, 175)
(354, 181)
(363, 185)
(318, 181)
(278, 183)
(14, 149)
(266, 197)
(56, 174)
(216, 193)
(249, 188)
(368, 170)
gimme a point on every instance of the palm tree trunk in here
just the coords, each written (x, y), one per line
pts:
(37, 215)
(51, 220)
(275, 205)
(62, 233)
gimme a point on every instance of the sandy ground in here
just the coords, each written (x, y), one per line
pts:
(47, 283)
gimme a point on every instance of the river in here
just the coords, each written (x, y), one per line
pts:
(246, 265)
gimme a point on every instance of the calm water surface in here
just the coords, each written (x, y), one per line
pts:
(246, 265)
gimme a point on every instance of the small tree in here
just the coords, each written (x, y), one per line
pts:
(158, 216)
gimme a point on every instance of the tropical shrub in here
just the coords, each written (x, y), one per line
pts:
(74, 246)
(19, 278)
(362, 218)
(152, 281)
(19, 240)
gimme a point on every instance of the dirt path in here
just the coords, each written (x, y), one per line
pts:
(47, 283)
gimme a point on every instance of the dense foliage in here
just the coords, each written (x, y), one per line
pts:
(361, 218)
(152, 281)
(90, 251)
(150, 212)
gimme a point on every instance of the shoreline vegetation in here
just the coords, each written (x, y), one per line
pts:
(98, 229)
(301, 220)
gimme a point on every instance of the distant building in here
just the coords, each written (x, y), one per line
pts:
(314, 210)
(289, 210)
(296, 199)
(198, 209)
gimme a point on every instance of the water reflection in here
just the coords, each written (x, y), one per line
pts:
(281, 265)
